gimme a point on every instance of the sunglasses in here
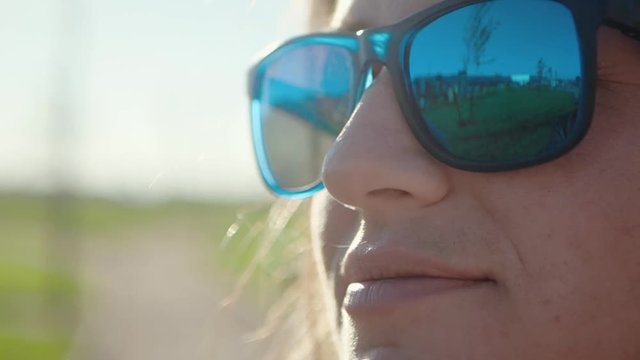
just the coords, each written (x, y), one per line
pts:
(484, 85)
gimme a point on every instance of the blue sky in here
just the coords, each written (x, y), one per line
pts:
(158, 94)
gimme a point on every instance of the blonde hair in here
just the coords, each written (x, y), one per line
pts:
(298, 326)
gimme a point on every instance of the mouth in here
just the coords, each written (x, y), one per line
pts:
(379, 295)
(385, 278)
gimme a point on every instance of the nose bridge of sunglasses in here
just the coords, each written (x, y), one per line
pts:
(373, 55)
(374, 45)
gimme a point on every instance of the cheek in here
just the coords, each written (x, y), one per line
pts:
(333, 226)
(596, 187)
(576, 225)
(585, 204)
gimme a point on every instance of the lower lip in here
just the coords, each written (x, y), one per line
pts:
(388, 293)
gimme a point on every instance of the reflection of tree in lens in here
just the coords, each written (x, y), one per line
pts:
(478, 31)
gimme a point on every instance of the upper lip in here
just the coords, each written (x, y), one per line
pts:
(378, 263)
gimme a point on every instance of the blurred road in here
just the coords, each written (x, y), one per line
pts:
(152, 295)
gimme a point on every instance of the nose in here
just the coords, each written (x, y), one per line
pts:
(377, 163)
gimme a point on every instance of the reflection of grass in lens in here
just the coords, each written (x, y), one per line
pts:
(502, 124)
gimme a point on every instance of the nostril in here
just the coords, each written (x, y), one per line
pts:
(389, 193)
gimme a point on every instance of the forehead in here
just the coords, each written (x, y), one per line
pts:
(372, 13)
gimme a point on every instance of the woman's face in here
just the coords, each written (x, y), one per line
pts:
(423, 261)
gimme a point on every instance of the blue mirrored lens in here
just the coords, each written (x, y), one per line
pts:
(499, 81)
(306, 95)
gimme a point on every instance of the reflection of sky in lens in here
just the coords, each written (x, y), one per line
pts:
(526, 32)
(305, 81)
(313, 69)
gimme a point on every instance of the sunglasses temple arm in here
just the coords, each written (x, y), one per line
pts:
(624, 15)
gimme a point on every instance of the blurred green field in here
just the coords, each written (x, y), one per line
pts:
(39, 239)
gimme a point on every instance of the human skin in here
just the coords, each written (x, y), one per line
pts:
(559, 243)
